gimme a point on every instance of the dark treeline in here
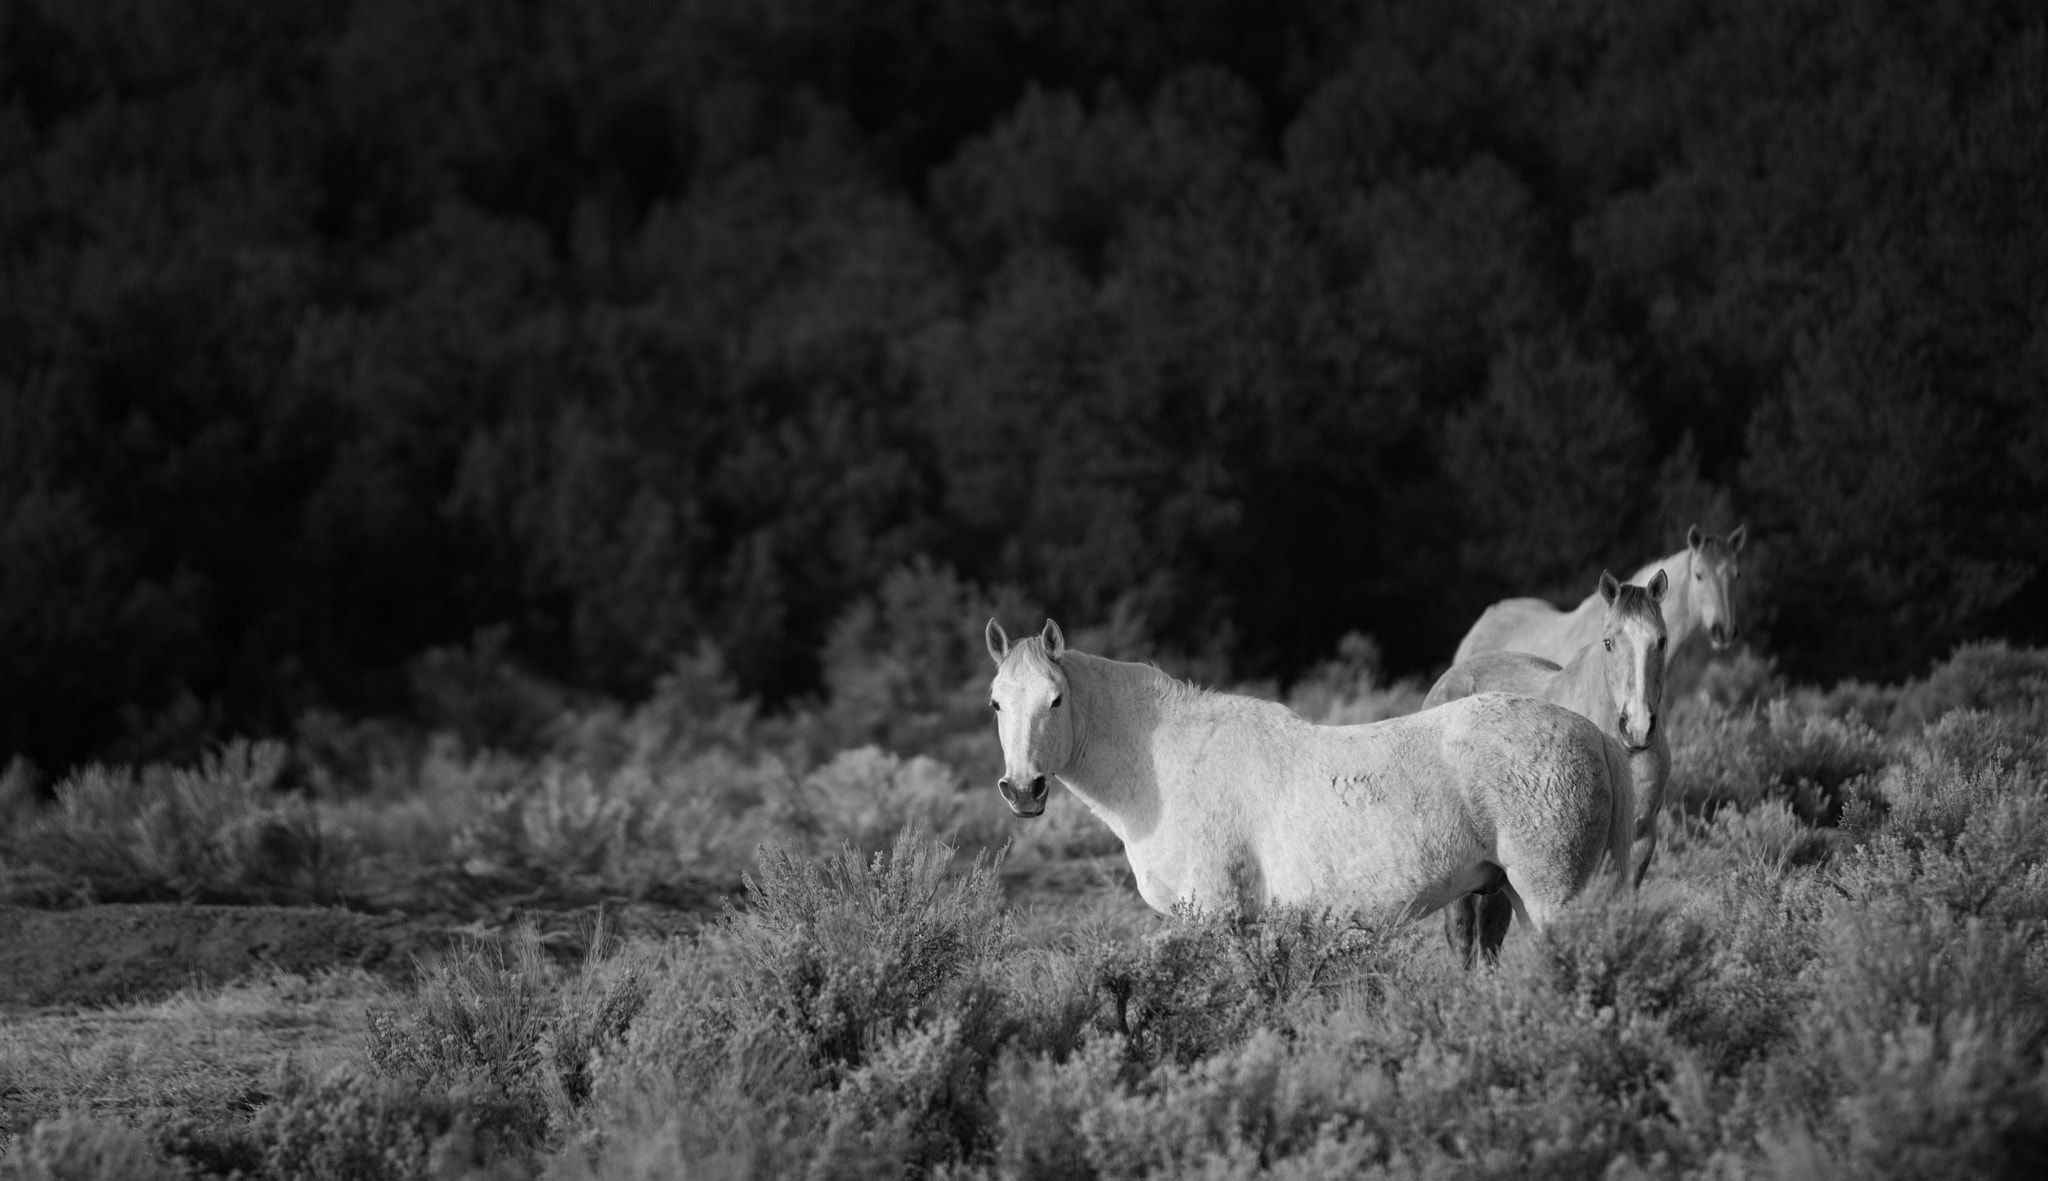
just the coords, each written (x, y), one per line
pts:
(334, 332)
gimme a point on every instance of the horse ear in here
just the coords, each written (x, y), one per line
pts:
(1055, 640)
(1658, 585)
(1736, 538)
(1609, 587)
(1692, 537)
(998, 643)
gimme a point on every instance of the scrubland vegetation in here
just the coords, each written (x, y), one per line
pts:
(1836, 969)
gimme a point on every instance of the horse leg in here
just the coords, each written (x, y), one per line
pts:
(1478, 921)
(1650, 771)
(1649, 855)
(1461, 928)
(1496, 911)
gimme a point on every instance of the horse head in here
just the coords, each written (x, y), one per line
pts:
(1715, 571)
(1634, 640)
(1033, 721)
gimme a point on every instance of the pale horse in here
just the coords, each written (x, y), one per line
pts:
(1230, 803)
(1700, 601)
(1617, 681)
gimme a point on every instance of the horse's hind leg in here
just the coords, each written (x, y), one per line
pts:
(1461, 928)
(1496, 911)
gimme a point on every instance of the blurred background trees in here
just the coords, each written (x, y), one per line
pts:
(336, 335)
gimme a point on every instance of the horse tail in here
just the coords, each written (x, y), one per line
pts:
(1621, 833)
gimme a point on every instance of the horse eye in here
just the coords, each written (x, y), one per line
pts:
(1609, 641)
(1056, 699)
(992, 705)
(1660, 642)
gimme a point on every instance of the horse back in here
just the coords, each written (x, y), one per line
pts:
(1530, 625)
(1495, 672)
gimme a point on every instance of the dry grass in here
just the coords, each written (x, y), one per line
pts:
(212, 1052)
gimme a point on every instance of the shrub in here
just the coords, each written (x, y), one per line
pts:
(864, 797)
(1986, 675)
(695, 707)
(1351, 687)
(576, 839)
(221, 832)
(494, 1021)
(844, 1023)
(1175, 997)
(1741, 681)
(1716, 759)
(346, 1125)
(1922, 1048)
(76, 1147)
(1646, 954)
(1721, 756)
(853, 950)
(477, 693)
(1975, 841)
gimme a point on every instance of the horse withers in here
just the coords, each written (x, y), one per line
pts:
(1616, 681)
(1231, 803)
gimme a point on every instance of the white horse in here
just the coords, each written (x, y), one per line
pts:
(1618, 682)
(1701, 601)
(1231, 803)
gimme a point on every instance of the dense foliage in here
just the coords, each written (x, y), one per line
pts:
(586, 334)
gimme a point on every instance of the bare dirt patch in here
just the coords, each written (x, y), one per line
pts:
(106, 954)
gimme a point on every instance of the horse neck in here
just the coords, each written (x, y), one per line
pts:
(1117, 707)
(1681, 614)
(1585, 678)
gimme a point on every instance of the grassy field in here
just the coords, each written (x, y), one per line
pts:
(688, 940)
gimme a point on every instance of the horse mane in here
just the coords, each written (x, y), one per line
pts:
(1169, 688)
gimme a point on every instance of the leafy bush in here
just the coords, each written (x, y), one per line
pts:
(864, 798)
(347, 1125)
(1987, 675)
(83, 1148)
(1722, 756)
(221, 832)
(1920, 1054)
(855, 949)
(844, 1022)
(1352, 687)
(480, 695)
(495, 1022)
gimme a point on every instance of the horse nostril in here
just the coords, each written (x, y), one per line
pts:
(1008, 789)
(1038, 787)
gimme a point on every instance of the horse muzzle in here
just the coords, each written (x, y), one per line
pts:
(1027, 801)
(1630, 741)
(1721, 635)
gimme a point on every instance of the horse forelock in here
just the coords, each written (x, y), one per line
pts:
(1030, 655)
(1635, 602)
(1715, 552)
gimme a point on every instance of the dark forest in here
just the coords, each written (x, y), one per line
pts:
(336, 337)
